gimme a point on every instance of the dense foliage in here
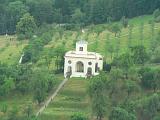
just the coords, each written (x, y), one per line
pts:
(80, 12)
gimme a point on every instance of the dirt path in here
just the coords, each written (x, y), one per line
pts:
(51, 98)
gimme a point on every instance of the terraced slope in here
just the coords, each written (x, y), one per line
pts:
(71, 99)
(101, 41)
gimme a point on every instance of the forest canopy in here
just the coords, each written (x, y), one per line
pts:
(82, 12)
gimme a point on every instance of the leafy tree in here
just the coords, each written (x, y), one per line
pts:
(121, 114)
(125, 62)
(115, 28)
(124, 21)
(153, 29)
(130, 35)
(156, 80)
(29, 111)
(150, 78)
(8, 85)
(13, 114)
(78, 16)
(78, 116)
(111, 49)
(112, 85)
(26, 26)
(139, 54)
(96, 90)
(156, 13)
(148, 107)
(147, 77)
(43, 82)
(130, 86)
(4, 108)
(15, 10)
(41, 10)
(59, 56)
(156, 55)
(141, 33)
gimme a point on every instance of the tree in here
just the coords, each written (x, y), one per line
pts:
(112, 85)
(107, 41)
(130, 86)
(26, 26)
(78, 116)
(8, 85)
(156, 55)
(141, 33)
(43, 82)
(111, 49)
(96, 90)
(156, 80)
(150, 78)
(130, 36)
(4, 108)
(59, 56)
(156, 13)
(13, 114)
(115, 28)
(15, 10)
(152, 29)
(124, 21)
(121, 114)
(125, 62)
(148, 107)
(42, 11)
(78, 16)
(29, 111)
(139, 54)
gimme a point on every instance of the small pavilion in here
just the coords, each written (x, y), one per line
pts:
(81, 63)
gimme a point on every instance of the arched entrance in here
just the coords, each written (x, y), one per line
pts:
(80, 67)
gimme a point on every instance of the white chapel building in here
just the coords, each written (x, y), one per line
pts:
(81, 63)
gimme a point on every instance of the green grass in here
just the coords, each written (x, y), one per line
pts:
(70, 36)
(72, 98)
(10, 51)
(19, 100)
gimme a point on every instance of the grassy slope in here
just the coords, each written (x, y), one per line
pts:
(10, 51)
(72, 98)
(70, 36)
(65, 105)
(19, 101)
(67, 101)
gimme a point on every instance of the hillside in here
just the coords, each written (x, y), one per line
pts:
(73, 97)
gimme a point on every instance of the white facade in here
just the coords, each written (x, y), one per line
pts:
(81, 63)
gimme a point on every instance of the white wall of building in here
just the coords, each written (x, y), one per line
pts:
(82, 56)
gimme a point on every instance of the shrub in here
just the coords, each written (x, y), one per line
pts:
(78, 116)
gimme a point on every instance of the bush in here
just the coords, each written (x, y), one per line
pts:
(78, 116)
(156, 56)
(21, 37)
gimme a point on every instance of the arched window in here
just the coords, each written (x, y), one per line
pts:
(79, 67)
